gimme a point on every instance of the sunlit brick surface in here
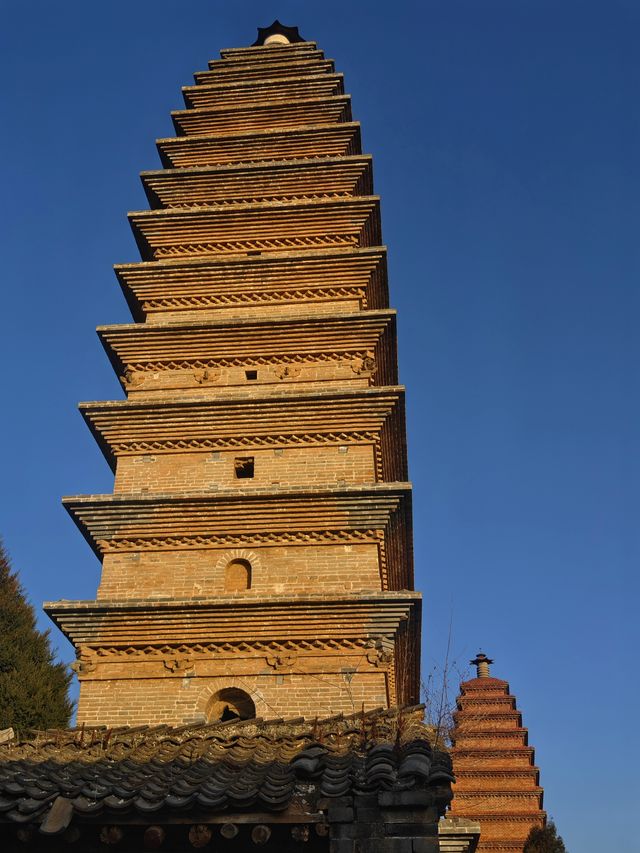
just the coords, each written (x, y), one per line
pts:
(497, 781)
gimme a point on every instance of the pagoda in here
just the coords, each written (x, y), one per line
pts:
(257, 548)
(497, 782)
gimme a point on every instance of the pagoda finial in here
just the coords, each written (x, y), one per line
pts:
(482, 663)
(277, 33)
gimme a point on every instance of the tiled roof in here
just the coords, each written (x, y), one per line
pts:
(255, 765)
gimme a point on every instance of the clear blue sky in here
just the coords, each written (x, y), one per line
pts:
(505, 138)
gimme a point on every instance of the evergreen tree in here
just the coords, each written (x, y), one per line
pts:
(33, 687)
(544, 840)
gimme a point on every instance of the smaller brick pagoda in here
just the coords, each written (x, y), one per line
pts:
(497, 782)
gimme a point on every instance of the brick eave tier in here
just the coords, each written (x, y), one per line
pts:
(129, 522)
(272, 226)
(258, 146)
(299, 281)
(361, 415)
(256, 183)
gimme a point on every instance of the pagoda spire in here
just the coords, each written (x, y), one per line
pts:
(277, 34)
(497, 782)
(482, 664)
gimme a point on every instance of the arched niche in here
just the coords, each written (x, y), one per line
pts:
(230, 703)
(237, 576)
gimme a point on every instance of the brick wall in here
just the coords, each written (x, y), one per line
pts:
(166, 384)
(343, 306)
(291, 466)
(275, 569)
(178, 700)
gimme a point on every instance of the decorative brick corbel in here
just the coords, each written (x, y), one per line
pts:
(84, 663)
(205, 377)
(280, 662)
(178, 665)
(364, 366)
(288, 371)
(131, 378)
(377, 654)
(379, 657)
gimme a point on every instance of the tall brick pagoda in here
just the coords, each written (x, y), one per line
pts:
(497, 782)
(257, 548)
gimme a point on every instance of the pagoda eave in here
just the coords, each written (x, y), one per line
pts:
(134, 521)
(245, 228)
(185, 284)
(216, 93)
(244, 66)
(268, 53)
(124, 425)
(156, 621)
(259, 115)
(219, 71)
(255, 183)
(278, 337)
(260, 145)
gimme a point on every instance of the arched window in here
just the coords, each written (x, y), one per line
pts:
(230, 704)
(237, 576)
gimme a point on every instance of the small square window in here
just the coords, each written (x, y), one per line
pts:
(251, 374)
(243, 466)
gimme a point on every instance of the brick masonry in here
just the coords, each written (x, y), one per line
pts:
(261, 366)
(497, 782)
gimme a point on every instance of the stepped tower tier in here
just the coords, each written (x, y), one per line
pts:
(257, 548)
(497, 782)
(333, 281)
